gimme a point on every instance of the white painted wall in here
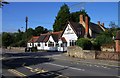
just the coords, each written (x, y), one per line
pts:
(35, 44)
(61, 48)
(69, 35)
(29, 45)
(43, 47)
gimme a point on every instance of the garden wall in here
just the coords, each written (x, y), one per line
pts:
(75, 51)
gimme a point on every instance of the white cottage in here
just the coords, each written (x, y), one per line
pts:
(33, 42)
(59, 41)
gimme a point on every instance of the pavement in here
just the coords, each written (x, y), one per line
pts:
(89, 61)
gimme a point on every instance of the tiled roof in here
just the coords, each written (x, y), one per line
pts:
(56, 35)
(118, 35)
(95, 28)
(78, 28)
(43, 37)
(33, 39)
(63, 39)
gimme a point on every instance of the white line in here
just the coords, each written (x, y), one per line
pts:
(96, 65)
(65, 66)
(90, 65)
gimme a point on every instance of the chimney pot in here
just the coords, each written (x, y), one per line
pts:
(102, 24)
(99, 23)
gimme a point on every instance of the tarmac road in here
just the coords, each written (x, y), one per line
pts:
(53, 64)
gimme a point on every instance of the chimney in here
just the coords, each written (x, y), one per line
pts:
(102, 24)
(86, 26)
(99, 23)
(81, 18)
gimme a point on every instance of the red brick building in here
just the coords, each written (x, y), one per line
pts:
(118, 41)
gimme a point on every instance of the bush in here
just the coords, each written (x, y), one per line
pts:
(84, 43)
(34, 49)
(103, 39)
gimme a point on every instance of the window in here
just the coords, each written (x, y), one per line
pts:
(39, 44)
(57, 44)
(45, 44)
(50, 44)
(65, 44)
(30, 44)
(72, 42)
(61, 45)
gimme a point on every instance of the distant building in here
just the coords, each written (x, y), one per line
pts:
(59, 41)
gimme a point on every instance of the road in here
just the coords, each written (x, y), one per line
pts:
(52, 65)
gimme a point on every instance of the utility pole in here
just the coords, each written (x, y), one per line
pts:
(26, 20)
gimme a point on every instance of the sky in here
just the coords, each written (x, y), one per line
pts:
(44, 13)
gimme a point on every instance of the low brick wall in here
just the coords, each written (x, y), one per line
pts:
(15, 49)
(108, 55)
(77, 52)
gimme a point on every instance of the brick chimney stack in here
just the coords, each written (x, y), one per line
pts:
(99, 23)
(86, 26)
(81, 18)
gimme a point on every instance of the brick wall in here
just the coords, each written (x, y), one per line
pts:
(77, 52)
(117, 45)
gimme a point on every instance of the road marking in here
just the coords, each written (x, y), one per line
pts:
(16, 72)
(36, 70)
(105, 67)
(65, 66)
(96, 65)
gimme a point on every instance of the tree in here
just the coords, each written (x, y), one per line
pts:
(30, 32)
(61, 19)
(40, 30)
(113, 25)
(75, 15)
(104, 38)
(7, 39)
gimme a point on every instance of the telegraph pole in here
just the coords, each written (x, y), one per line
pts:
(26, 21)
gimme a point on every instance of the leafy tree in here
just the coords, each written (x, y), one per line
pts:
(84, 43)
(30, 32)
(40, 30)
(104, 38)
(7, 39)
(75, 15)
(62, 17)
(113, 25)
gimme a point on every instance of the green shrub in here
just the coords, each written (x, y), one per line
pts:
(34, 49)
(103, 39)
(84, 43)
